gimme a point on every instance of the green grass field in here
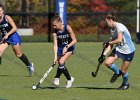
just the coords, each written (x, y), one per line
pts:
(16, 85)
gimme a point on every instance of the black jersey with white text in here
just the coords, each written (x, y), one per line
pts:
(63, 37)
(5, 27)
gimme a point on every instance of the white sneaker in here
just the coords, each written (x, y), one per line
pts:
(69, 82)
(56, 82)
(31, 69)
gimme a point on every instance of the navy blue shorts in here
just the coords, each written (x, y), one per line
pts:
(14, 39)
(60, 50)
(125, 57)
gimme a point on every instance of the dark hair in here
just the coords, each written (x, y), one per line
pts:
(1, 6)
(56, 17)
(111, 16)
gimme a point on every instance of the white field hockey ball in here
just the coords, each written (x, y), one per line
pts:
(34, 87)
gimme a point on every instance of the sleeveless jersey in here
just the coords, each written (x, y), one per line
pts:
(126, 46)
(5, 27)
(63, 37)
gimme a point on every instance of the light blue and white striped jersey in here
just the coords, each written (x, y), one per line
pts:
(126, 46)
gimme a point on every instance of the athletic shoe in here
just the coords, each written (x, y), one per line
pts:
(69, 82)
(114, 77)
(31, 69)
(56, 82)
(123, 87)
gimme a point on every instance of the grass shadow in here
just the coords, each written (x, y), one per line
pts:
(14, 76)
(98, 88)
(84, 87)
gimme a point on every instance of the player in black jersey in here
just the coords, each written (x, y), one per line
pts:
(64, 41)
(11, 37)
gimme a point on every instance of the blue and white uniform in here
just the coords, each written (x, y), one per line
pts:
(5, 27)
(63, 39)
(126, 48)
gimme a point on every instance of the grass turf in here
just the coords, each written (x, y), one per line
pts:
(16, 85)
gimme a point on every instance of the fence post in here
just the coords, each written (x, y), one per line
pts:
(138, 23)
(24, 16)
(49, 20)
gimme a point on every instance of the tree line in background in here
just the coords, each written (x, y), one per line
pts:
(75, 5)
(81, 24)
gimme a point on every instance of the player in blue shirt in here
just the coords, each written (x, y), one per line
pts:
(64, 43)
(11, 37)
(124, 49)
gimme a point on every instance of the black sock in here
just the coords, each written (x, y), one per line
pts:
(59, 72)
(66, 73)
(0, 60)
(25, 60)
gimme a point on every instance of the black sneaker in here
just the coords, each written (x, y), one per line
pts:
(114, 77)
(123, 87)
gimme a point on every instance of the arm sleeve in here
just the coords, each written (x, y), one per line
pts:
(120, 29)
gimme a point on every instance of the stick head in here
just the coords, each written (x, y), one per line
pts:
(93, 74)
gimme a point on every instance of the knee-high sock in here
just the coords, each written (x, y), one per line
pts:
(25, 60)
(125, 78)
(59, 71)
(62, 69)
(66, 73)
(114, 68)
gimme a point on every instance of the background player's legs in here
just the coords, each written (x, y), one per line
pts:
(2, 49)
(109, 62)
(125, 83)
(23, 58)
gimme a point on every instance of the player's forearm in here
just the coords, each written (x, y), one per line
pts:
(55, 51)
(107, 50)
(12, 31)
(72, 43)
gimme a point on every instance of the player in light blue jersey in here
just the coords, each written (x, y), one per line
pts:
(124, 49)
(11, 37)
(64, 44)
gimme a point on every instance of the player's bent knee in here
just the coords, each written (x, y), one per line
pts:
(18, 55)
(107, 63)
(123, 71)
(61, 63)
(1, 52)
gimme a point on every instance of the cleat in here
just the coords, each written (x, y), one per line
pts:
(123, 87)
(114, 77)
(56, 82)
(69, 82)
(31, 69)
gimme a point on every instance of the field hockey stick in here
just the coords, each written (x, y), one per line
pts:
(34, 87)
(43, 78)
(98, 66)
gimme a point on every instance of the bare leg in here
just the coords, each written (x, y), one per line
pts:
(23, 58)
(2, 49)
(20, 55)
